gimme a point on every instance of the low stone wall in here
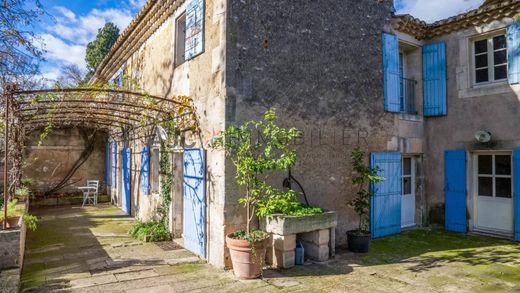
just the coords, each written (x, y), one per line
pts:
(12, 246)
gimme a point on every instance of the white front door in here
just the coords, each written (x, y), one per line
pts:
(494, 210)
(408, 190)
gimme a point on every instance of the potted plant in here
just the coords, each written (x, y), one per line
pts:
(30, 221)
(14, 213)
(22, 193)
(256, 149)
(359, 239)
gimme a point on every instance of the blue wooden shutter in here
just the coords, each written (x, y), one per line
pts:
(145, 170)
(385, 210)
(513, 52)
(107, 165)
(126, 161)
(391, 73)
(194, 36)
(455, 190)
(434, 76)
(113, 162)
(516, 191)
(194, 201)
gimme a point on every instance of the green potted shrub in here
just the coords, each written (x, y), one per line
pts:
(14, 213)
(256, 148)
(359, 239)
(22, 193)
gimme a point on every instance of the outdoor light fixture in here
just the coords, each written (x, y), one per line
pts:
(483, 136)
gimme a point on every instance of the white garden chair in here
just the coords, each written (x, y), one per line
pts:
(90, 192)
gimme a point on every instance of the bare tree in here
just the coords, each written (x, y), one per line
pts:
(71, 76)
(20, 53)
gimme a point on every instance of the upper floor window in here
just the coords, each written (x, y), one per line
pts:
(490, 59)
(180, 40)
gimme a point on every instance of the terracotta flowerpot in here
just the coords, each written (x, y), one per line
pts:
(12, 222)
(246, 265)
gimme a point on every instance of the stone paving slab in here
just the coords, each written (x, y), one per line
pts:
(98, 256)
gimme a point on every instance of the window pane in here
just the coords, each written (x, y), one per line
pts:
(481, 61)
(500, 72)
(482, 75)
(503, 165)
(407, 185)
(407, 166)
(480, 46)
(485, 164)
(485, 186)
(503, 187)
(500, 57)
(499, 42)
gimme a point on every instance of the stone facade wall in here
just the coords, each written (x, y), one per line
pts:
(319, 63)
(48, 163)
(203, 79)
(494, 108)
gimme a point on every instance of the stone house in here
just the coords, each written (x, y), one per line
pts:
(347, 73)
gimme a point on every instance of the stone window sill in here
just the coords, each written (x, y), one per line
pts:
(488, 90)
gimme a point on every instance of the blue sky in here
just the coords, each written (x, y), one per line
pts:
(76, 23)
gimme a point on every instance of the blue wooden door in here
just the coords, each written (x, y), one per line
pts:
(516, 192)
(385, 209)
(113, 164)
(194, 204)
(107, 166)
(455, 190)
(126, 155)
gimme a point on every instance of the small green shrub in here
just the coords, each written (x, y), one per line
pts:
(22, 192)
(13, 210)
(30, 221)
(150, 231)
(252, 237)
(26, 182)
(304, 210)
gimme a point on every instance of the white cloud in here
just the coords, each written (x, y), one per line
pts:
(66, 12)
(62, 52)
(433, 10)
(66, 39)
(137, 4)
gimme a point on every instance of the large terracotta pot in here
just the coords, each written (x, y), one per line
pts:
(12, 222)
(245, 264)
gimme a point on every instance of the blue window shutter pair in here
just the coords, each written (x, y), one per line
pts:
(513, 52)
(194, 38)
(434, 77)
(145, 171)
(385, 208)
(392, 79)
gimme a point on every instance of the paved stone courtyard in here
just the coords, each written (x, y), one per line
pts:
(88, 250)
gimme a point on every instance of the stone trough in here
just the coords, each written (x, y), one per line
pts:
(316, 233)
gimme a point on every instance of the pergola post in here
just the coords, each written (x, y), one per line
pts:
(7, 91)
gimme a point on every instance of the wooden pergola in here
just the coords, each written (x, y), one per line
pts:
(116, 111)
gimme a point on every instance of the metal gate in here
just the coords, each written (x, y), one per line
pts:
(126, 154)
(194, 201)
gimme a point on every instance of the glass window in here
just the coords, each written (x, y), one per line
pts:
(485, 186)
(407, 176)
(494, 176)
(490, 59)
(485, 164)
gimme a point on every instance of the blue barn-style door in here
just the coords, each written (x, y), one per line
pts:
(455, 190)
(194, 205)
(107, 167)
(126, 155)
(516, 192)
(113, 164)
(385, 209)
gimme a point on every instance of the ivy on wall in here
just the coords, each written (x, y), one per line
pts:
(166, 178)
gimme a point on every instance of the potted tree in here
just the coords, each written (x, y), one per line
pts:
(359, 239)
(256, 149)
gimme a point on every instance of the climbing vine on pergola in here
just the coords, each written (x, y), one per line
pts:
(124, 114)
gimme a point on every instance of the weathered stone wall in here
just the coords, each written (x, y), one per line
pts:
(49, 162)
(201, 78)
(319, 63)
(494, 108)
